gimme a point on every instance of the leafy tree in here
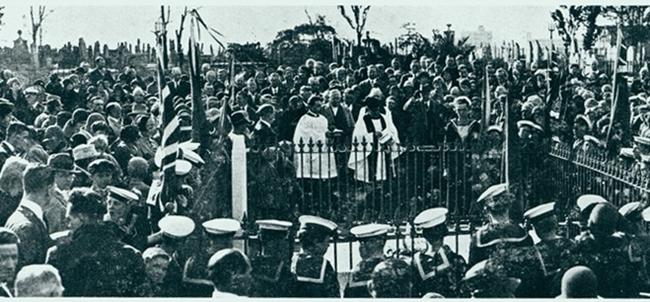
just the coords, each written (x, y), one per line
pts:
(439, 46)
(249, 52)
(311, 39)
(635, 21)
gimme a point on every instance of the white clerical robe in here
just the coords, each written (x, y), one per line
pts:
(310, 163)
(359, 158)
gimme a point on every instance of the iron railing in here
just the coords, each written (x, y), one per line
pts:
(577, 172)
(335, 182)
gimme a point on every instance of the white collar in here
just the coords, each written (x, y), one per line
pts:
(34, 207)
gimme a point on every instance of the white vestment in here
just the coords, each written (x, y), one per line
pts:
(359, 156)
(310, 163)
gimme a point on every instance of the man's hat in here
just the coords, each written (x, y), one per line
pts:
(231, 259)
(493, 191)
(431, 218)
(122, 195)
(588, 200)
(273, 225)
(239, 117)
(153, 252)
(101, 165)
(221, 226)
(540, 212)
(309, 223)
(176, 226)
(592, 139)
(477, 270)
(630, 210)
(531, 124)
(371, 230)
(62, 162)
(495, 128)
(264, 108)
(5, 106)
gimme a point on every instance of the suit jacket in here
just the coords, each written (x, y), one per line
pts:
(282, 95)
(95, 75)
(341, 120)
(33, 235)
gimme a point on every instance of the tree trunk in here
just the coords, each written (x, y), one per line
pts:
(37, 64)
(359, 35)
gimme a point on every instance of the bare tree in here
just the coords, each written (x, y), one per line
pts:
(179, 36)
(37, 23)
(360, 14)
(2, 13)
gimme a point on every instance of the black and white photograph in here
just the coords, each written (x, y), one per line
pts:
(365, 149)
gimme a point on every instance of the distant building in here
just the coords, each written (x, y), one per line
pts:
(479, 37)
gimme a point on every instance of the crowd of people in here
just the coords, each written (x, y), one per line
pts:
(79, 160)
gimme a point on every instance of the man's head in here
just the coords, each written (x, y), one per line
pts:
(100, 62)
(120, 202)
(305, 92)
(543, 219)
(37, 182)
(156, 262)
(391, 279)
(267, 113)
(372, 239)
(274, 237)
(230, 272)
(219, 233)
(8, 255)
(64, 171)
(38, 280)
(18, 136)
(101, 171)
(579, 282)
(315, 233)
(433, 225)
(85, 206)
(334, 97)
(315, 102)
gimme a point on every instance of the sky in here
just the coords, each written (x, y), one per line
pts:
(255, 23)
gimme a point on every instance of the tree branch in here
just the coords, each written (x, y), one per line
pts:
(345, 15)
(364, 17)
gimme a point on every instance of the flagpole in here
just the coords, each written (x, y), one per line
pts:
(619, 40)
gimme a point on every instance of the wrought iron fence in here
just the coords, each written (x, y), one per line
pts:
(365, 183)
(577, 172)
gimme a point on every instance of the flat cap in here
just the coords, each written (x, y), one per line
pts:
(176, 226)
(221, 226)
(493, 191)
(101, 165)
(540, 212)
(431, 218)
(273, 225)
(527, 123)
(153, 252)
(629, 210)
(319, 222)
(371, 230)
(122, 195)
(587, 200)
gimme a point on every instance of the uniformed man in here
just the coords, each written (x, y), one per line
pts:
(315, 276)
(122, 209)
(438, 269)
(219, 233)
(606, 254)
(487, 280)
(229, 270)
(372, 239)
(550, 249)
(272, 267)
(586, 204)
(499, 231)
(263, 134)
(174, 229)
(639, 240)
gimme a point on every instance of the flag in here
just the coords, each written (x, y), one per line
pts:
(530, 54)
(198, 131)
(621, 105)
(486, 100)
